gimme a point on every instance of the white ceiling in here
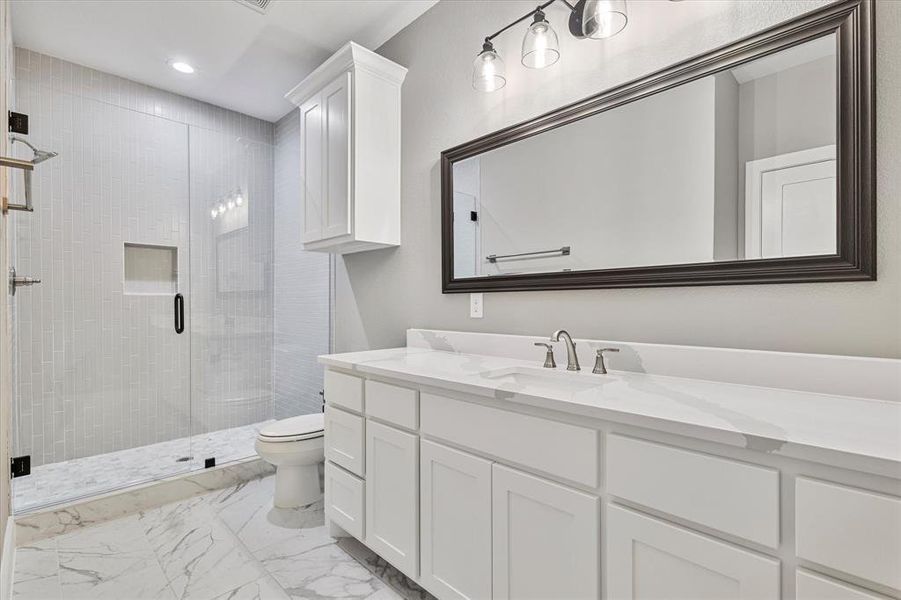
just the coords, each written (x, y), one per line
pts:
(245, 60)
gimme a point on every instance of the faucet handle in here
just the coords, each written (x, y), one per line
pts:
(599, 367)
(549, 362)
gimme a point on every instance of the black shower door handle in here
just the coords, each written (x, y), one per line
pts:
(179, 313)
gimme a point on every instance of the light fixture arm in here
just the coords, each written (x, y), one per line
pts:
(529, 14)
(595, 19)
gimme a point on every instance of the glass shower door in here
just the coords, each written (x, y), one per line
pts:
(102, 373)
(231, 301)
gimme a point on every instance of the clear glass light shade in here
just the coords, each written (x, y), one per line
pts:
(604, 18)
(488, 71)
(540, 47)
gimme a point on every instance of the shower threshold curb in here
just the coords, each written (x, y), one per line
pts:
(71, 516)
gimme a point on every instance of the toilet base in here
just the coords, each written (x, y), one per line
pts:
(296, 485)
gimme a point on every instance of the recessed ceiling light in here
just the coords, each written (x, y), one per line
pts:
(182, 67)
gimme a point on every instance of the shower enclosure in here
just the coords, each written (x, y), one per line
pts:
(147, 350)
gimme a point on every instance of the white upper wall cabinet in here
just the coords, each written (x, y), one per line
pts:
(350, 152)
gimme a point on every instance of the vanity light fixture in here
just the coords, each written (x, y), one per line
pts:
(540, 47)
(239, 198)
(604, 18)
(488, 69)
(592, 19)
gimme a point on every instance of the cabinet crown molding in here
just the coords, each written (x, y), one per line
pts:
(350, 57)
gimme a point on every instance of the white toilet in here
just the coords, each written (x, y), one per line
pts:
(295, 447)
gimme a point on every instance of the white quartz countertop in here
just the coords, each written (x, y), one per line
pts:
(850, 432)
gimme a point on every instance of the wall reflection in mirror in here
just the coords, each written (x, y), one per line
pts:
(737, 165)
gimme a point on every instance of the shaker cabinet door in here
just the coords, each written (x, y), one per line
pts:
(311, 168)
(456, 523)
(336, 200)
(392, 495)
(546, 539)
(651, 559)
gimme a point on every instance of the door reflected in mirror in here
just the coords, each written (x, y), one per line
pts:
(736, 165)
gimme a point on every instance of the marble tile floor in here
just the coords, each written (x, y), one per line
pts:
(229, 544)
(82, 477)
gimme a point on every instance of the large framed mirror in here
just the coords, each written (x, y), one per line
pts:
(753, 163)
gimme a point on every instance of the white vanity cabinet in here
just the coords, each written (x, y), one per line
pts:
(392, 495)
(349, 111)
(478, 498)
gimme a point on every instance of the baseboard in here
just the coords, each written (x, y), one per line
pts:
(57, 520)
(8, 560)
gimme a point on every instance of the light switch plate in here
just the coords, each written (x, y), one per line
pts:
(476, 306)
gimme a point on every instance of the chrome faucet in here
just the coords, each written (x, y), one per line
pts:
(572, 359)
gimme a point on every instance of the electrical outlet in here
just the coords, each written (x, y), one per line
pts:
(476, 306)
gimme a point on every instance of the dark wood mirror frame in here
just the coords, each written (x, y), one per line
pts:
(853, 23)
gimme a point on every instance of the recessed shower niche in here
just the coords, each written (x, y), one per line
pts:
(150, 269)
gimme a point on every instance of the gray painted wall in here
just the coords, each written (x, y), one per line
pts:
(381, 293)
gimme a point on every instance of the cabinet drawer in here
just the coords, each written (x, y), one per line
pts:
(733, 497)
(344, 439)
(393, 404)
(650, 558)
(812, 586)
(344, 390)
(344, 495)
(567, 451)
(851, 530)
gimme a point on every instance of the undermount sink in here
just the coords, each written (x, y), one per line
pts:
(546, 379)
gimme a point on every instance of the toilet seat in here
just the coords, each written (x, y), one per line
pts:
(294, 429)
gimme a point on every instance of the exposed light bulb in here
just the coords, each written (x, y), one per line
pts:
(239, 198)
(214, 213)
(231, 204)
(488, 70)
(221, 209)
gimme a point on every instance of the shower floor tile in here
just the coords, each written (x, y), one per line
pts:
(82, 477)
(227, 544)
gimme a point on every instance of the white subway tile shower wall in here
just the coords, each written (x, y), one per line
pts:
(98, 371)
(301, 282)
